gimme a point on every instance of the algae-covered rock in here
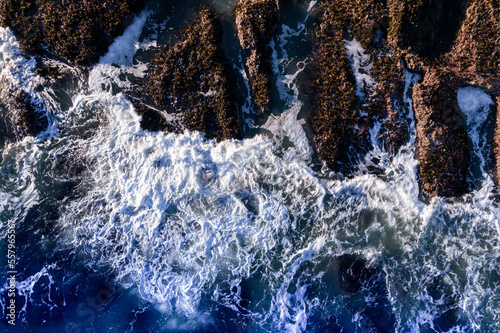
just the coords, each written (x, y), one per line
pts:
(21, 116)
(442, 142)
(449, 43)
(77, 30)
(340, 132)
(192, 78)
(343, 119)
(387, 101)
(475, 55)
(256, 21)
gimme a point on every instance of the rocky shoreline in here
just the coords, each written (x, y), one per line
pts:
(449, 44)
(74, 30)
(446, 43)
(442, 142)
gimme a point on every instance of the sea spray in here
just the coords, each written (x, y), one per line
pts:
(221, 236)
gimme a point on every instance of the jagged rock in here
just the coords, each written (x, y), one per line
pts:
(192, 78)
(76, 30)
(387, 101)
(363, 18)
(256, 21)
(496, 144)
(456, 39)
(442, 142)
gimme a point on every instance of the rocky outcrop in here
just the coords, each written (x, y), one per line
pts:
(475, 55)
(256, 21)
(442, 142)
(192, 78)
(343, 120)
(387, 101)
(77, 30)
(449, 43)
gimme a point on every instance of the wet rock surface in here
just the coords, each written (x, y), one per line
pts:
(256, 20)
(442, 142)
(343, 117)
(192, 78)
(449, 43)
(337, 121)
(76, 30)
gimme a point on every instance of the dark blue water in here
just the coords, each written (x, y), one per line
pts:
(123, 230)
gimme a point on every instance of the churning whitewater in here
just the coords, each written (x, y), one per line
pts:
(207, 236)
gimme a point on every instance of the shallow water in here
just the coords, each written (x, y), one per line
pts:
(124, 230)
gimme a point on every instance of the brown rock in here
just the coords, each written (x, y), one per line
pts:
(475, 55)
(78, 31)
(340, 131)
(20, 116)
(442, 142)
(256, 21)
(449, 43)
(192, 78)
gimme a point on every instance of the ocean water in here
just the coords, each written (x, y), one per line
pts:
(124, 230)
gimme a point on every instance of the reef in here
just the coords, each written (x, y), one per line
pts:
(256, 21)
(449, 44)
(192, 78)
(79, 31)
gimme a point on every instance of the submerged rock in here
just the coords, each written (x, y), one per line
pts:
(78, 31)
(425, 27)
(21, 117)
(256, 21)
(192, 78)
(442, 142)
